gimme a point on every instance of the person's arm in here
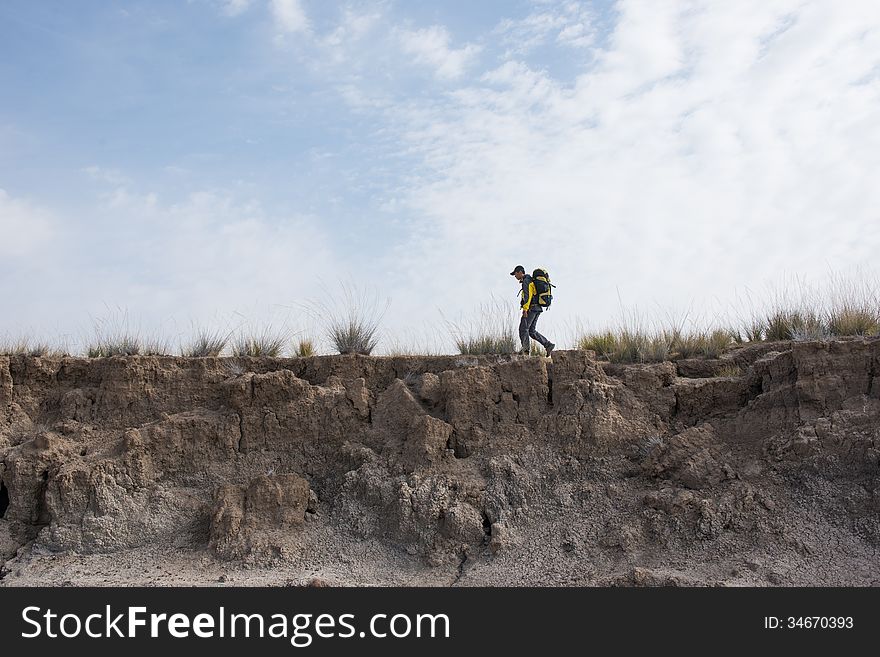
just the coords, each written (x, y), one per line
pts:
(528, 294)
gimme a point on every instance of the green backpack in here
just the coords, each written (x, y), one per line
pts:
(543, 287)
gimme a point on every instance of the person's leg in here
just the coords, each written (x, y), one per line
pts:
(533, 330)
(524, 333)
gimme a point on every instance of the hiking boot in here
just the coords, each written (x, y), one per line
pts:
(550, 347)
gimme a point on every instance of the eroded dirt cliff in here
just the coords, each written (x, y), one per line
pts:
(443, 470)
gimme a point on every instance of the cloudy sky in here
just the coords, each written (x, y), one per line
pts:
(196, 161)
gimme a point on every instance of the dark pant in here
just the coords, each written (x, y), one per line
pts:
(527, 330)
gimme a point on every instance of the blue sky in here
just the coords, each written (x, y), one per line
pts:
(196, 161)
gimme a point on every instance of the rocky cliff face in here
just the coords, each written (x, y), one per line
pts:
(483, 470)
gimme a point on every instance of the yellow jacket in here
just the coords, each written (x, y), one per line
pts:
(528, 293)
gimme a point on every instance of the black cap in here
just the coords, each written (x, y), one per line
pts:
(518, 268)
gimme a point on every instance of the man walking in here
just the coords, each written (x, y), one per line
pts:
(531, 311)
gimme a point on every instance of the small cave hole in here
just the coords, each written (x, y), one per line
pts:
(4, 499)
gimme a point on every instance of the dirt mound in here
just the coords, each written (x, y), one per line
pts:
(442, 470)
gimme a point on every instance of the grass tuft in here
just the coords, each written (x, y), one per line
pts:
(350, 321)
(123, 345)
(305, 348)
(854, 322)
(604, 343)
(24, 347)
(114, 345)
(157, 346)
(730, 370)
(113, 336)
(265, 344)
(489, 331)
(486, 343)
(650, 444)
(803, 324)
(716, 343)
(631, 342)
(206, 343)
(354, 336)
(854, 309)
(234, 368)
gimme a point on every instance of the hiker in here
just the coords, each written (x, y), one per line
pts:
(531, 311)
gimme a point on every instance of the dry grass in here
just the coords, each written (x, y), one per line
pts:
(14, 347)
(351, 319)
(627, 345)
(120, 345)
(26, 347)
(486, 343)
(854, 321)
(754, 331)
(647, 446)
(630, 340)
(267, 343)
(688, 345)
(157, 346)
(206, 343)
(491, 330)
(711, 344)
(234, 368)
(635, 341)
(112, 343)
(604, 343)
(113, 335)
(304, 348)
(804, 314)
(354, 336)
(842, 306)
(800, 324)
(854, 307)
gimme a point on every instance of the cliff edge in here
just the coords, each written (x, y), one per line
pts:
(757, 468)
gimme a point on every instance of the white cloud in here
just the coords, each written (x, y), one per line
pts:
(236, 7)
(577, 35)
(217, 252)
(209, 258)
(103, 175)
(700, 148)
(290, 16)
(430, 46)
(352, 27)
(566, 23)
(711, 146)
(24, 227)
